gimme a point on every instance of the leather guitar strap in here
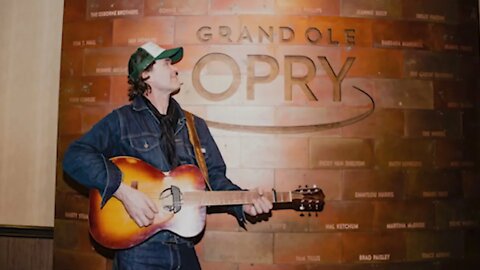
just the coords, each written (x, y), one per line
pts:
(195, 141)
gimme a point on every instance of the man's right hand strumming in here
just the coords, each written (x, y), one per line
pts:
(138, 205)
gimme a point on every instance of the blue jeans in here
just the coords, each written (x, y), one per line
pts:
(164, 250)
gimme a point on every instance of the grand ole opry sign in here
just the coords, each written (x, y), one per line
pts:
(281, 35)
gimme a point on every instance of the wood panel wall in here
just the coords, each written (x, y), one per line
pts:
(18, 253)
(401, 185)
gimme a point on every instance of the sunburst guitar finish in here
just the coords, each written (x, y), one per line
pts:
(181, 199)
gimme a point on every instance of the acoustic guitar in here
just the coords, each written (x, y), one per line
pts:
(181, 199)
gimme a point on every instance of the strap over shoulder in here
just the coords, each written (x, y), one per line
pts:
(195, 141)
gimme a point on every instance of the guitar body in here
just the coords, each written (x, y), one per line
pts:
(181, 199)
(112, 226)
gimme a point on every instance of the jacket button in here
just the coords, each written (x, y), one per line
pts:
(145, 145)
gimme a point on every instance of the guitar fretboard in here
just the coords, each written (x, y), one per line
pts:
(209, 198)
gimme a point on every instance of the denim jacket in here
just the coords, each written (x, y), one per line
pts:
(133, 130)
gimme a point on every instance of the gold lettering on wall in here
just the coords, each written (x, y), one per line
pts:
(336, 79)
(301, 81)
(222, 58)
(293, 80)
(279, 34)
(252, 78)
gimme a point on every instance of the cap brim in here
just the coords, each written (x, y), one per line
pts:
(175, 54)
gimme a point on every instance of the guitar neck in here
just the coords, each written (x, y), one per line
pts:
(211, 198)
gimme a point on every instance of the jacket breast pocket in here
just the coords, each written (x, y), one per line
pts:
(145, 142)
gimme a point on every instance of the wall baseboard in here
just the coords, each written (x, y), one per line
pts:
(26, 231)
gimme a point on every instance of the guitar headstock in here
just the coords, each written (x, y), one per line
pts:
(309, 199)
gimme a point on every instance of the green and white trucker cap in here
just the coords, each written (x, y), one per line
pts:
(153, 52)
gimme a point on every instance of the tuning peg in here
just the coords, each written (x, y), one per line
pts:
(314, 186)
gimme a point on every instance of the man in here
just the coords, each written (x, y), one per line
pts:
(152, 128)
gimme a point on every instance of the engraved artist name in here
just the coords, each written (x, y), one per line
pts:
(113, 13)
(371, 12)
(374, 194)
(410, 225)
(342, 226)
(374, 257)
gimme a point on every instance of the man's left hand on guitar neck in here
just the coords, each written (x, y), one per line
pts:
(261, 205)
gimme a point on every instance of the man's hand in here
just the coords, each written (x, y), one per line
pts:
(140, 207)
(260, 205)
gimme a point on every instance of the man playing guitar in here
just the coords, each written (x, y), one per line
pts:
(152, 129)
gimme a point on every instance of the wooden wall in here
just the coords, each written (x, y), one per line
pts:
(20, 253)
